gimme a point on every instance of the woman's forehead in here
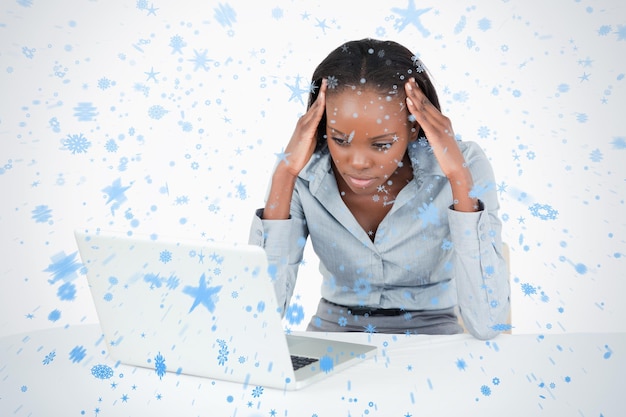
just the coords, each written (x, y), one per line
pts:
(356, 103)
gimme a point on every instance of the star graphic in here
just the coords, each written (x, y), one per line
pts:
(411, 15)
(204, 295)
(297, 91)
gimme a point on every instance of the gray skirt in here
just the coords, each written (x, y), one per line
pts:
(331, 317)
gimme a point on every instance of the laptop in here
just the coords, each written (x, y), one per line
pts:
(201, 308)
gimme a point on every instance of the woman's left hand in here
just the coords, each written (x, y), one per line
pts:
(438, 130)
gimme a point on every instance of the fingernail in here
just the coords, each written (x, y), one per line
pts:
(408, 100)
(408, 86)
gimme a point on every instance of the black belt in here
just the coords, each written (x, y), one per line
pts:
(369, 311)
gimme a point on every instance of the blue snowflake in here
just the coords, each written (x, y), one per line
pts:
(104, 83)
(429, 214)
(296, 91)
(495, 381)
(204, 295)
(257, 392)
(501, 327)
(67, 292)
(370, 328)
(54, 315)
(543, 211)
(362, 287)
(49, 358)
(76, 143)
(458, 28)
(156, 112)
(342, 321)
(483, 132)
(326, 363)
(461, 364)
(619, 142)
(41, 214)
(412, 16)
(85, 112)
(165, 256)
(115, 193)
(177, 43)
(200, 60)
(78, 354)
(485, 390)
(596, 155)
(111, 146)
(159, 365)
(225, 15)
(242, 193)
(295, 313)
(222, 355)
(460, 96)
(102, 371)
(63, 267)
(484, 24)
(604, 30)
(528, 289)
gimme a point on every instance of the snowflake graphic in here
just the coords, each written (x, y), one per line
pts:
(257, 392)
(501, 327)
(604, 30)
(102, 371)
(204, 295)
(332, 82)
(225, 15)
(543, 211)
(326, 363)
(619, 142)
(222, 354)
(76, 144)
(165, 256)
(483, 132)
(156, 112)
(412, 16)
(429, 214)
(41, 214)
(67, 292)
(159, 365)
(296, 91)
(596, 155)
(111, 146)
(78, 354)
(495, 381)
(446, 245)
(485, 390)
(63, 267)
(85, 112)
(177, 43)
(484, 24)
(49, 358)
(362, 287)
(461, 364)
(621, 32)
(342, 321)
(370, 328)
(528, 289)
(295, 313)
(104, 83)
(200, 60)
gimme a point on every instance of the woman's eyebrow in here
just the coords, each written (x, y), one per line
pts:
(374, 138)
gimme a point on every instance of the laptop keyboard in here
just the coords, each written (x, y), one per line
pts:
(300, 361)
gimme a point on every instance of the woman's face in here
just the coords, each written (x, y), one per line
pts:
(368, 134)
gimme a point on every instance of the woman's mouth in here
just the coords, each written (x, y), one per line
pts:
(360, 182)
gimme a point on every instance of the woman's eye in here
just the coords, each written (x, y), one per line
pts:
(382, 146)
(341, 141)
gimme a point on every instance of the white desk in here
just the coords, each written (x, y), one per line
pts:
(512, 375)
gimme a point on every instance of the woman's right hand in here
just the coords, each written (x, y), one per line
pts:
(304, 138)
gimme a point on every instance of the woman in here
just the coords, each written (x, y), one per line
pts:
(402, 216)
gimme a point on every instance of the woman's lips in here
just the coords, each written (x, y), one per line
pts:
(360, 182)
